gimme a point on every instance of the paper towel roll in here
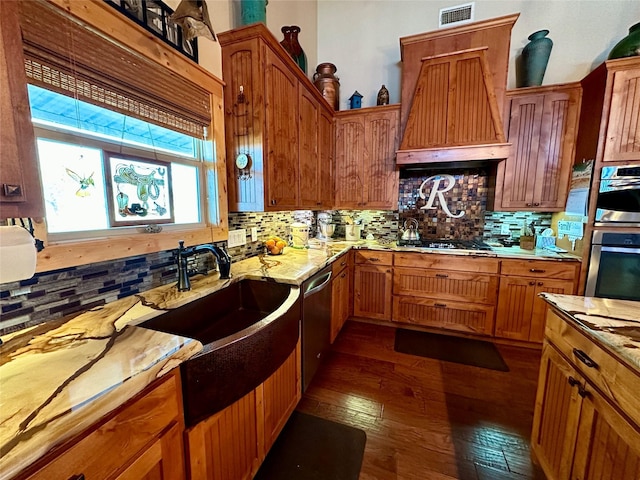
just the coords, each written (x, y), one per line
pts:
(17, 254)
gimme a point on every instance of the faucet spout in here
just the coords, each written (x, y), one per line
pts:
(222, 258)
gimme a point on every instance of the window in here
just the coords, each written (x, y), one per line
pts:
(104, 170)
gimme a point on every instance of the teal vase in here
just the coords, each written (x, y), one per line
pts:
(629, 46)
(535, 57)
(253, 11)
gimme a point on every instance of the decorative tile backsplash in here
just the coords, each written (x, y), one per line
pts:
(72, 290)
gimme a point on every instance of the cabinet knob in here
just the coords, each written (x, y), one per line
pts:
(536, 204)
(529, 204)
(584, 358)
(573, 382)
(343, 275)
(532, 283)
(540, 284)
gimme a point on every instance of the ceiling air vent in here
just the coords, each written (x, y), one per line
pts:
(456, 15)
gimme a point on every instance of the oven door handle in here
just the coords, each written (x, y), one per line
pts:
(629, 249)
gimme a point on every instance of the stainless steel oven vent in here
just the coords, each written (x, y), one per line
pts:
(456, 15)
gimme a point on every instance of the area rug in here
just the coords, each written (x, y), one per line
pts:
(447, 348)
(312, 448)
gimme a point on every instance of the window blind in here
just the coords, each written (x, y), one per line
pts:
(70, 58)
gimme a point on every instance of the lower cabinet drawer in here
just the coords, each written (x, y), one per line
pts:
(546, 269)
(448, 315)
(105, 450)
(612, 377)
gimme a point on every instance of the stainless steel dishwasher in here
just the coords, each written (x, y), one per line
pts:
(316, 323)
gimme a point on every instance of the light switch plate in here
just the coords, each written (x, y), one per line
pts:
(254, 234)
(237, 237)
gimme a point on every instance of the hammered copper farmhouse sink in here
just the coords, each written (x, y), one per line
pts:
(248, 329)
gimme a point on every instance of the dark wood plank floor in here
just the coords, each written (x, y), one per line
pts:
(426, 419)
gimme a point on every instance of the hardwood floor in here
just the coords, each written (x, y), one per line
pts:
(426, 419)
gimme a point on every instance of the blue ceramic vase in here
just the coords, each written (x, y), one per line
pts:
(535, 57)
(253, 11)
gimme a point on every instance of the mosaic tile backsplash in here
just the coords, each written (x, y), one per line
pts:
(70, 291)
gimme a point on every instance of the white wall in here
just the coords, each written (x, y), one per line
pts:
(361, 37)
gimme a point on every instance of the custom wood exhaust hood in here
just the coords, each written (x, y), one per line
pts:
(453, 91)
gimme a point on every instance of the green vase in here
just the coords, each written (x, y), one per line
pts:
(535, 57)
(629, 46)
(253, 11)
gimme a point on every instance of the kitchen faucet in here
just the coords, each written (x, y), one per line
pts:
(222, 257)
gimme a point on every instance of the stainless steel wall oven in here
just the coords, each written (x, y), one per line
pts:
(614, 268)
(619, 197)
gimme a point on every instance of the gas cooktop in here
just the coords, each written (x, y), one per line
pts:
(446, 244)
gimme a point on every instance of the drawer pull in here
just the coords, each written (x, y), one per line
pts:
(77, 477)
(537, 270)
(540, 284)
(573, 382)
(532, 283)
(344, 274)
(374, 259)
(343, 263)
(440, 305)
(584, 358)
(442, 275)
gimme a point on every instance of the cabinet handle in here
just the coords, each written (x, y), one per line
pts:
(584, 358)
(529, 204)
(343, 275)
(374, 259)
(573, 382)
(440, 305)
(537, 270)
(582, 391)
(532, 283)
(442, 275)
(536, 204)
(77, 477)
(540, 284)
(343, 263)
(273, 202)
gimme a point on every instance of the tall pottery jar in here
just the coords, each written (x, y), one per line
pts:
(326, 81)
(629, 46)
(253, 11)
(535, 57)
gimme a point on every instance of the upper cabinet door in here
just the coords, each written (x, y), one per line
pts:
(281, 139)
(381, 141)
(349, 174)
(622, 140)
(309, 150)
(326, 158)
(20, 191)
(542, 129)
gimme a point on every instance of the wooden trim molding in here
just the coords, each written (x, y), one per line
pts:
(496, 151)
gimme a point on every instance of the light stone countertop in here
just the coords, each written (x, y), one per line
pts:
(58, 378)
(614, 324)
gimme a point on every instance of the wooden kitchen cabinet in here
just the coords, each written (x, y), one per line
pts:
(521, 312)
(622, 136)
(542, 125)
(365, 167)
(141, 440)
(341, 304)
(581, 431)
(231, 444)
(447, 292)
(275, 116)
(372, 284)
(20, 190)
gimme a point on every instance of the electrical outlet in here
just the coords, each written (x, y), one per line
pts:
(504, 229)
(237, 238)
(254, 234)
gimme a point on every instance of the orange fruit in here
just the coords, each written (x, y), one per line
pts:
(270, 243)
(280, 244)
(275, 251)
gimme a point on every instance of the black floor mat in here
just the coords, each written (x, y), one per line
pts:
(450, 349)
(312, 448)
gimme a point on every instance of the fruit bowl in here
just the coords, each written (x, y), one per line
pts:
(275, 245)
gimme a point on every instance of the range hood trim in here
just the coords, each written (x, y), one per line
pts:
(463, 153)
